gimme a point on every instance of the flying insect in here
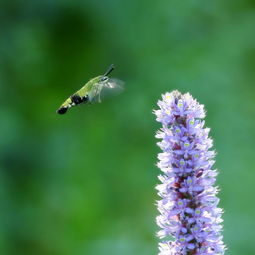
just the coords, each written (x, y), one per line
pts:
(93, 91)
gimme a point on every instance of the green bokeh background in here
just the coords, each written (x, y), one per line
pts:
(83, 183)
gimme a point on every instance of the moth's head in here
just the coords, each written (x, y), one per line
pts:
(99, 79)
(104, 78)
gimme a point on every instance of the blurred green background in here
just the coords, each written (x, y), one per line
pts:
(83, 183)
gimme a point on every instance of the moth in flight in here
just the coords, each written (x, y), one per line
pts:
(93, 91)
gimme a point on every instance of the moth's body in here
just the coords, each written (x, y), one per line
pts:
(90, 92)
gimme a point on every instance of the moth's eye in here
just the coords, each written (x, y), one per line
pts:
(104, 78)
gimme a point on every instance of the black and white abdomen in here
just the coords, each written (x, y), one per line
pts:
(76, 99)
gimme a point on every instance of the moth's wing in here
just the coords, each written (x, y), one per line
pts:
(115, 84)
(110, 88)
(94, 93)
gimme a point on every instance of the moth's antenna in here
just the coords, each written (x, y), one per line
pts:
(110, 69)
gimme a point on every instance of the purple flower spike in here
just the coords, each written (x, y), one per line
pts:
(188, 208)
